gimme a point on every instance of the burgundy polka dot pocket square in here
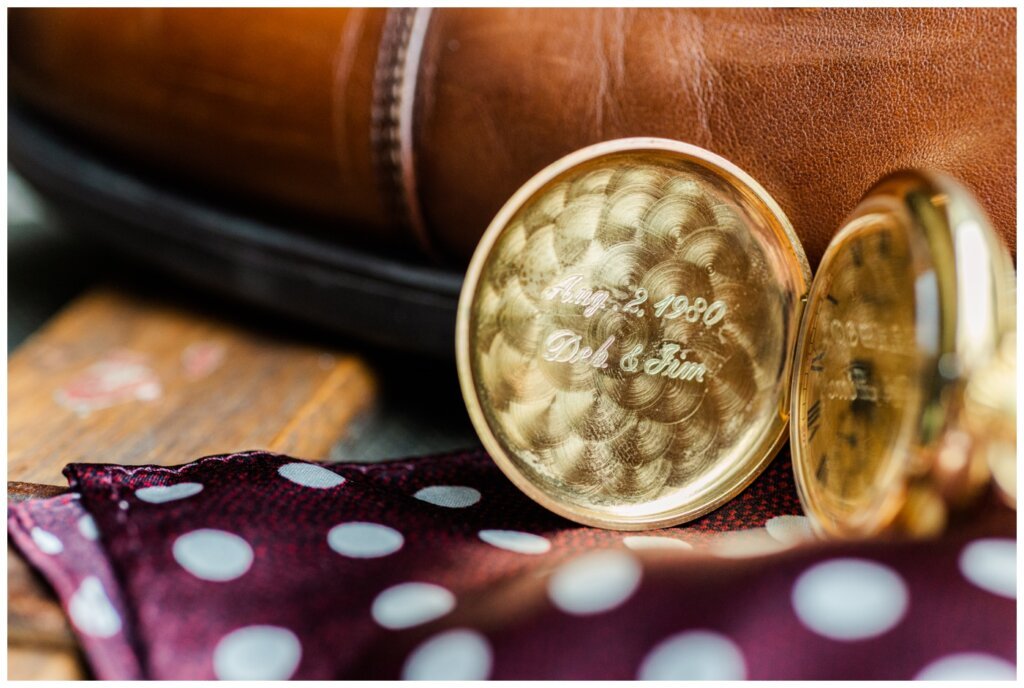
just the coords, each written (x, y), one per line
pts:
(261, 566)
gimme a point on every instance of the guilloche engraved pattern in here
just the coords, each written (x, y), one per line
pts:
(625, 330)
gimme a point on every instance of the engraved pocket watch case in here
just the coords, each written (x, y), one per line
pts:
(625, 331)
(897, 380)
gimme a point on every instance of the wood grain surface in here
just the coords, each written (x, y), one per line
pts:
(114, 379)
(119, 378)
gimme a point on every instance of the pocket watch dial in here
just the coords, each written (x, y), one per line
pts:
(858, 373)
(625, 334)
(909, 304)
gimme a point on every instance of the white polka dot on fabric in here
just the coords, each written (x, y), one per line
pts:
(739, 544)
(516, 541)
(638, 542)
(411, 604)
(968, 666)
(991, 564)
(47, 542)
(456, 655)
(213, 555)
(91, 610)
(594, 582)
(789, 530)
(310, 475)
(87, 527)
(158, 494)
(850, 599)
(450, 496)
(694, 656)
(257, 653)
(364, 540)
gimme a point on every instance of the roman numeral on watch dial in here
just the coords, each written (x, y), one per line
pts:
(814, 419)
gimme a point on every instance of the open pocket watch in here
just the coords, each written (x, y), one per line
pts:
(904, 387)
(626, 331)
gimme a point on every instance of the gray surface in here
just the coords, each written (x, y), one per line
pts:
(420, 409)
(46, 267)
(420, 412)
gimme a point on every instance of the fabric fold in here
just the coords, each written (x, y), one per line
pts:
(256, 565)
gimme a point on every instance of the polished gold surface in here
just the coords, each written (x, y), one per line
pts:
(991, 413)
(625, 333)
(909, 305)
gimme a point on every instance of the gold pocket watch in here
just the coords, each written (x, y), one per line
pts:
(626, 331)
(904, 387)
